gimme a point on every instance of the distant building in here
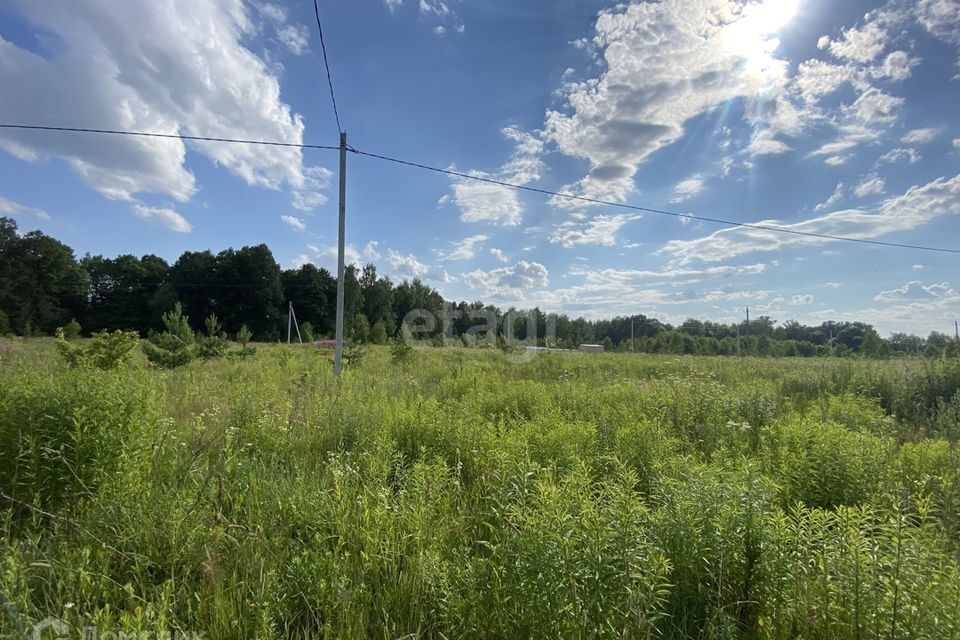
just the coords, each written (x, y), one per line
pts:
(591, 348)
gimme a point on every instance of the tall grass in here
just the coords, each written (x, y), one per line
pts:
(462, 494)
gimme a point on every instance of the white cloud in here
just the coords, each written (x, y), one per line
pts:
(310, 195)
(816, 78)
(407, 266)
(836, 161)
(393, 5)
(271, 11)
(920, 136)
(296, 37)
(601, 230)
(466, 249)
(663, 63)
(915, 291)
(913, 209)
(520, 276)
(326, 256)
(941, 18)
(184, 68)
(628, 276)
(898, 155)
(687, 189)
(861, 44)
(11, 208)
(918, 267)
(370, 251)
(295, 223)
(486, 202)
(165, 217)
(764, 144)
(876, 107)
(956, 143)
(440, 30)
(801, 300)
(838, 194)
(897, 66)
(832, 285)
(871, 185)
(499, 255)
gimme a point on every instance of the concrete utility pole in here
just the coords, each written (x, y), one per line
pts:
(338, 353)
(956, 331)
(631, 335)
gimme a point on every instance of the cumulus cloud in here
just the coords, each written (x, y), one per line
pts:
(295, 37)
(407, 266)
(295, 223)
(311, 194)
(916, 291)
(466, 249)
(838, 194)
(663, 63)
(870, 185)
(13, 209)
(601, 230)
(801, 300)
(920, 136)
(370, 251)
(499, 255)
(913, 209)
(817, 78)
(876, 107)
(485, 202)
(687, 189)
(184, 69)
(522, 275)
(861, 44)
(628, 276)
(393, 5)
(899, 154)
(164, 217)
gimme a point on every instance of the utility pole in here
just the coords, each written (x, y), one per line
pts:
(631, 334)
(956, 331)
(338, 352)
(289, 320)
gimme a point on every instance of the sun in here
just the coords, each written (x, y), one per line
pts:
(753, 35)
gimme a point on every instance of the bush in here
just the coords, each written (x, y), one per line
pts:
(61, 437)
(214, 343)
(175, 346)
(104, 350)
(400, 351)
(71, 330)
(307, 333)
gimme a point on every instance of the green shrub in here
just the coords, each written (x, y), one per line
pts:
(61, 437)
(103, 351)
(175, 346)
(214, 343)
(71, 330)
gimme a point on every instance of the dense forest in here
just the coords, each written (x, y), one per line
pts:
(44, 286)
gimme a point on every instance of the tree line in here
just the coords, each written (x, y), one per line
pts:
(44, 286)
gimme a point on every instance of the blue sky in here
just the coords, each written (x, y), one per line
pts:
(826, 117)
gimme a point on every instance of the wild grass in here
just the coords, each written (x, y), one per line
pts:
(464, 494)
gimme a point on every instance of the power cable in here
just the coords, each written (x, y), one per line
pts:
(326, 64)
(676, 214)
(149, 134)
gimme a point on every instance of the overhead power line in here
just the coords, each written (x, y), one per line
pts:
(675, 214)
(326, 64)
(501, 183)
(149, 134)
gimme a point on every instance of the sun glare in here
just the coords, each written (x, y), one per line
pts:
(754, 34)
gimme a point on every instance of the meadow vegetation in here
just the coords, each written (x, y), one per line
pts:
(468, 493)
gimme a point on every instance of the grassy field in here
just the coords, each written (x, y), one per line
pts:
(470, 494)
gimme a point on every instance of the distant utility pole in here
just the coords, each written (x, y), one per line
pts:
(338, 352)
(956, 331)
(291, 323)
(631, 334)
